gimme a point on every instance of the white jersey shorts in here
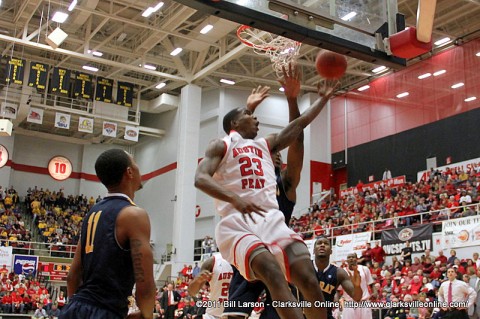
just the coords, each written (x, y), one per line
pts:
(237, 239)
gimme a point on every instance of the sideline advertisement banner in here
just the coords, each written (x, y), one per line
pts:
(464, 166)
(347, 244)
(420, 238)
(461, 232)
(25, 264)
(6, 256)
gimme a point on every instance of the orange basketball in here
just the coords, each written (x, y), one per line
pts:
(330, 65)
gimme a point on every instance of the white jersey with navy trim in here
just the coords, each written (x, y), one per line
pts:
(221, 275)
(247, 170)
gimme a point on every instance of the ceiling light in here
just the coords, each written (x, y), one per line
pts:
(160, 85)
(121, 37)
(424, 76)
(59, 17)
(227, 81)
(363, 88)
(457, 85)
(56, 38)
(206, 29)
(151, 10)
(478, 54)
(404, 94)
(90, 68)
(379, 69)
(348, 16)
(72, 5)
(176, 51)
(150, 67)
(442, 41)
(281, 89)
(439, 72)
(95, 53)
(470, 99)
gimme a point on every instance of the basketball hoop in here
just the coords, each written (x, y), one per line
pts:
(280, 50)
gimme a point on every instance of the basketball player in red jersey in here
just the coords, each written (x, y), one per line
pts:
(218, 272)
(239, 172)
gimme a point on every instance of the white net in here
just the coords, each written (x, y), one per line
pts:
(280, 50)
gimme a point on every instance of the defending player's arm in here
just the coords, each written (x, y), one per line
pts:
(350, 284)
(205, 275)
(291, 174)
(74, 277)
(205, 182)
(134, 223)
(288, 135)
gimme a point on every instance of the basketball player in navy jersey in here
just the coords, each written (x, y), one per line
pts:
(114, 250)
(239, 172)
(241, 290)
(330, 276)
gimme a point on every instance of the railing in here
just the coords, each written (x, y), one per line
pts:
(377, 226)
(40, 249)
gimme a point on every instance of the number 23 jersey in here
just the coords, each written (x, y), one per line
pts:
(247, 170)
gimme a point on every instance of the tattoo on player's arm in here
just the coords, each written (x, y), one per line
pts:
(135, 246)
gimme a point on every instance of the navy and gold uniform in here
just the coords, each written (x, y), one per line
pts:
(108, 276)
(327, 279)
(242, 290)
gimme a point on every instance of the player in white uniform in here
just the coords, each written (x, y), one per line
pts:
(366, 280)
(239, 172)
(218, 272)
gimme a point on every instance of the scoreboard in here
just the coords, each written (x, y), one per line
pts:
(55, 271)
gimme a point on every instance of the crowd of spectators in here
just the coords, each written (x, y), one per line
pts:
(58, 217)
(12, 225)
(442, 196)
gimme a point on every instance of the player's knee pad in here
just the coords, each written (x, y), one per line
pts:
(297, 251)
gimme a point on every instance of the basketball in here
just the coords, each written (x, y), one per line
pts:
(330, 65)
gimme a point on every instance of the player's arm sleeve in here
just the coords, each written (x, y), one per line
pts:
(74, 277)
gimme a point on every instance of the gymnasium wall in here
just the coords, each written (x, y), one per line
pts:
(455, 137)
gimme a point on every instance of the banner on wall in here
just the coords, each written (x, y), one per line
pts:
(15, 70)
(9, 110)
(392, 182)
(35, 115)
(85, 124)
(420, 238)
(62, 120)
(83, 86)
(347, 244)
(461, 232)
(125, 94)
(38, 75)
(109, 129)
(464, 166)
(61, 80)
(131, 133)
(6, 256)
(25, 264)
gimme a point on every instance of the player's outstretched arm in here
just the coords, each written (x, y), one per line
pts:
(205, 182)
(205, 275)
(291, 175)
(350, 284)
(74, 277)
(288, 135)
(133, 224)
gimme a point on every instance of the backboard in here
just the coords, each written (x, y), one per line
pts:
(353, 28)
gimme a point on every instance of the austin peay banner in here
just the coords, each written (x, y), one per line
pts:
(25, 264)
(420, 238)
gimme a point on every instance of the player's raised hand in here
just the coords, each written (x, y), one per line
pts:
(327, 88)
(257, 96)
(247, 208)
(291, 81)
(205, 275)
(355, 278)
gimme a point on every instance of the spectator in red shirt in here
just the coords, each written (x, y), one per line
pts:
(378, 254)
(17, 303)
(7, 303)
(415, 285)
(366, 256)
(416, 265)
(441, 258)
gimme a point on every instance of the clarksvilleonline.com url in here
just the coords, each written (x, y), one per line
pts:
(403, 304)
